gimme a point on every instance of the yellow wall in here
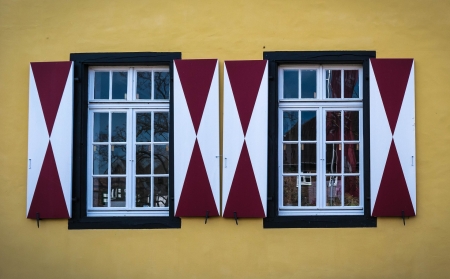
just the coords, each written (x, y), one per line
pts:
(231, 29)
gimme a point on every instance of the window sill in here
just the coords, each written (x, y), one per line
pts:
(359, 221)
(124, 223)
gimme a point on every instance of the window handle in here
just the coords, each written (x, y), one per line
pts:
(29, 164)
(225, 158)
(412, 160)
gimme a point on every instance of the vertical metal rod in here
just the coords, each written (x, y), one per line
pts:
(37, 219)
(403, 216)
(235, 217)
(206, 217)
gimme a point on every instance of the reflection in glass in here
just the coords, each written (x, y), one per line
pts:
(351, 84)
(144, 85)
(309, 130)
(351, 193)
(143, 127)
(309, 158)
(351, 125)
(162, 85)
(333, 83)
(290, 85)
(118, 127)
(119, 85)
(143, 191)
(101, 127)
(351, 158)
(100, 192)
(161, 159)
(101, 85)
(290, 125)
(333, 186)
(100, 160)
(333, 158)
(143, 159)
(118, 186)
(161, 192)
(333, 125)
(308, 190)
(290, 158)
(161, 125)
(309, 84)
(118, 159)
(290, 191)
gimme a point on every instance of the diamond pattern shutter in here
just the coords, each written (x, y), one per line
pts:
(244, 190)
(50, 121)
(392, 137)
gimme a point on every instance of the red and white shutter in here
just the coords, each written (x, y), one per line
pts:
(244, 190)
(50, 121)
(392, 137)
(196, 137)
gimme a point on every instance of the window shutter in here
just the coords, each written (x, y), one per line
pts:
(392, 137)
(245, 139)
(196, 138)
(50, 121)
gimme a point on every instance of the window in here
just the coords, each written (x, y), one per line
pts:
(318, 140)
(123, 159)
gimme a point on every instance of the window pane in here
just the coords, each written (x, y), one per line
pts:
(309, 87)
(119, 85)
(100, 159)
(162, 85)
(351, 125)
(161, 127)
(333, 83)
(308, 192)
(333, 125)
(118, 186)
(309, 130)
(351, 84)
(118, 159)
(333, 186)
(143, 191)
(351, 158)
(144, 85)
(101, 85)
(290, 191)
(290, 86)
(101, 127)
(143, 127)
(308, 158)
(161, 192)
(290, 158)
(290, 125)
(333, 158)
(100, 191)
(143, 159)
(351, 194)
(119, 127)
(161, 159)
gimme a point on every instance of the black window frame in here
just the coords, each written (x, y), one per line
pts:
(82, 62)
(275, 59)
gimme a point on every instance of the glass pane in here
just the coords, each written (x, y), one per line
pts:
(101, 85)
(333, 186)
(162, 85)
(290, 86)
(309, 87)
(351, 187)
(143, 159)
(290, 158)
(333, 83)
(144, 85)
(333, 125)
(143, 127)
(101, 127)
(351, 84)
(351, 158)
(308, 192)
(334, 158)
(143, 191)
(161, 192)
(118, 186)
(309, 130)
(290, 125)
(119, 85)
(161, 127)
(309, 158)
(351, 125)
(118, 159)
(118, 127)
(100, 159)
(290, 191)
(161, 159)
(100, 192)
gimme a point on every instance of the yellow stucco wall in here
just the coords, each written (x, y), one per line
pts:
(232, 29)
